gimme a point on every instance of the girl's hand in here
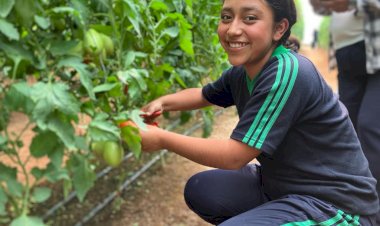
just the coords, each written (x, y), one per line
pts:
(153, 107)
(149, 118)
(150, 139)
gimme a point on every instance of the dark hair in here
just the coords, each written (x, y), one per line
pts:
(284, 9)
(293, 43)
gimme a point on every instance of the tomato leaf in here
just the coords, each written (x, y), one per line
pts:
(40, 194)
(84, 74)
(9, 30)
(131, 136)
(49, 97)
(5, 7)
(7, 173)
(25, 10)
(37, 173)
(185, 42)
(43, 144)
(15, 188)
(171, 31)
(83, 176)
(134, 75)
(18, 98)
(158, 6)
(56, 157)
(59, 48)
(81, 8)
(27, 220)
(104, 87)
(56, 173)
(42, 22)
(134, 115)
(133, 15)
(129, 57)
(3, 202)
(101, 130)
(3, 140)
(63, 129)
(16, 52)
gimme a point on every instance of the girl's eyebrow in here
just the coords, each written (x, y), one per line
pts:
(243, 9)
(227, 10)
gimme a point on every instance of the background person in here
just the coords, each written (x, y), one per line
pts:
(355, 35)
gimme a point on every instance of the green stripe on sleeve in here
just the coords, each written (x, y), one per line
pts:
(276, 92)
(283, 99)
(259, 135)
(267, 101)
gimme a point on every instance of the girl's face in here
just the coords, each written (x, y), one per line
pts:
(248, 33)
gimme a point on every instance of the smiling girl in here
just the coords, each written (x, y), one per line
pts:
(312, 169)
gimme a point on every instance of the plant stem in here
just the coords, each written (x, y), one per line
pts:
(12, 200)
(9, 156)
(22, 164)
(119, 42)
(15, 68)
(27, 188)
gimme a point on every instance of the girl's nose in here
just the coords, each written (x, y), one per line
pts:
(234, 29)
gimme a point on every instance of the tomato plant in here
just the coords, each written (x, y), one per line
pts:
(65, 60)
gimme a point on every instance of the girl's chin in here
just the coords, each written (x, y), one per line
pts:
(235, 62)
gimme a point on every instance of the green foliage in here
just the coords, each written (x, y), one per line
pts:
(97, 59)
(324, 33)
(298, 28)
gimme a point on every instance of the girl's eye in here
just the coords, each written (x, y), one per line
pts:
(250, 18)
(225, 18)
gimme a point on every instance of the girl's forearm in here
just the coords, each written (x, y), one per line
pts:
(188, 99)
(218, 153)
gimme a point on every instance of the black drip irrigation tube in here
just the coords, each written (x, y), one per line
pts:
(126, 183)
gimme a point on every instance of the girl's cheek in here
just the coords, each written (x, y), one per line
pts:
(221, 32)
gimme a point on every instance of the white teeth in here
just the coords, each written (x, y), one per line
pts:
(237, 44)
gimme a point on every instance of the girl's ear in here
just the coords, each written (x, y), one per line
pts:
(280, 29)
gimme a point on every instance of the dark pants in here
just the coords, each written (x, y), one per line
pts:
(360, 92)
(236, 198)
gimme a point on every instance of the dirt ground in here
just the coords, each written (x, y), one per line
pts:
(159, 201)
(156, 199)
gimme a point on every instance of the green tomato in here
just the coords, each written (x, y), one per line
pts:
(98, 147)
(113, 153)
(59, 24)
(108, 44)
(93, 42)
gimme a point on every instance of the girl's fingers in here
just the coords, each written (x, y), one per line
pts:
(151, 115)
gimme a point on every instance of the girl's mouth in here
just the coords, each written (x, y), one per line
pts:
(237, 44)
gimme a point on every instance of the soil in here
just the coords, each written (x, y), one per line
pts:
(156, 198)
